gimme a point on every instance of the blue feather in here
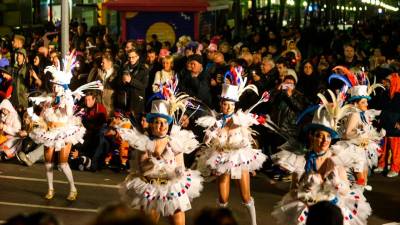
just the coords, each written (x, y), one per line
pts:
(157, 95)
(340, 77)
(228, 73)
(305, 112)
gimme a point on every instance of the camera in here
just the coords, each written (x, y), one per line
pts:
(287, 86)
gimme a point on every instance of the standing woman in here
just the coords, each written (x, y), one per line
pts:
(162, 185)
(361, 135)
(165, 75)
(58, 127)
(230, 153)
(321, 174)
(360, 139)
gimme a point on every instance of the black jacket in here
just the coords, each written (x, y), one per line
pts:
(198, 87)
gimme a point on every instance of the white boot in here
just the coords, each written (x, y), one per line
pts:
(252, 211)
(222, 205)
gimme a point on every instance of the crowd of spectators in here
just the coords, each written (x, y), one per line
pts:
(292, 64)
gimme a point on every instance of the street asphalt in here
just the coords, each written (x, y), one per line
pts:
(22, 189)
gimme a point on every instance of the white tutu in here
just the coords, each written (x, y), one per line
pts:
(289, 161)
(165, 199)
(353, 155)
(372, 154)
(58, 137)
(293, 209)
(234, 161)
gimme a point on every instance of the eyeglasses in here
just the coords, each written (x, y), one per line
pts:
(133, 57)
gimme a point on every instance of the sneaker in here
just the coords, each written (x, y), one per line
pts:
(392, 174)
(24, 158)
(378, 170)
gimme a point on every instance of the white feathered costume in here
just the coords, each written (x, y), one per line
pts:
(230, 150)
(58, 126)
(179, 185)
(323, 177)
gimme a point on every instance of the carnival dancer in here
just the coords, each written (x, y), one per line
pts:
(359, 137)
(58, 128)
(162, 185)
(229, 143)
(321, 176)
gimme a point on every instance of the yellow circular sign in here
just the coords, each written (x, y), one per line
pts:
(164, 32)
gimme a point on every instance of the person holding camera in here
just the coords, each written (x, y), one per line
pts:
(288, 103)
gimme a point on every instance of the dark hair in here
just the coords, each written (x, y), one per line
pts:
(325, 213)
(43, 218)
(120, 214)
(212, 216)
(91, 93)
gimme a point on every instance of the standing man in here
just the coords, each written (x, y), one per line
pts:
(138, 79)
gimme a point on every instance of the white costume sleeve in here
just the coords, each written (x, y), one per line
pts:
(182, 141)
(135, 139)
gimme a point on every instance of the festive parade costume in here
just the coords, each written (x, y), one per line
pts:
(360, 139)
(228, 138)
(323, 177)
(57, 126)
(11, 125)
(162, 183)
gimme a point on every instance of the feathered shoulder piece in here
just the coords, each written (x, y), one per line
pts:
(44, 98)
(94, 85)
(206, 121)
(244, 119)
(182, 141)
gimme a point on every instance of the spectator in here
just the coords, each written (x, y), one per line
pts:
(30, 152)
(6, 87)
(349, 59)
(122, 146)
(138, 80)
(326, 213)
(21, 80)
(221, 216)
(120, 214)
(108, 76)
(166, 75)
(195, 82)
(268, 76)
(288, 103)
(155, 44)
(309, 81)
(390, 119)
(10, 125)
(94, 120)
(18, 45)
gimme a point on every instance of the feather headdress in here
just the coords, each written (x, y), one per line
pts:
(356, 81)
(63, 77)
(237, 85)
(328, 114)
(168, 103)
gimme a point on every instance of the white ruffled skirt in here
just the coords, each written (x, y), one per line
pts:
(233, 162)
(289, 161)
(354, 207)
(165, 199)
(58, 137)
